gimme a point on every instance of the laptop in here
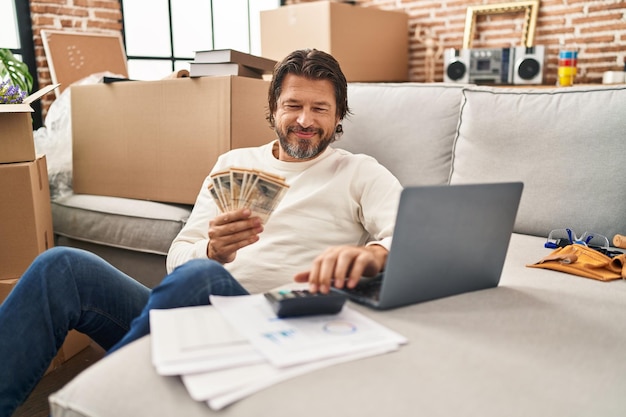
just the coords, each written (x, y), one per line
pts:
(448, 240)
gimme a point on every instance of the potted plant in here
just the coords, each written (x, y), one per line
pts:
(15, 79)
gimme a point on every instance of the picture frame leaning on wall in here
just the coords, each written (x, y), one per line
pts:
(529, 8)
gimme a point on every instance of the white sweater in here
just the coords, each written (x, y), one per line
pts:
(338, 198)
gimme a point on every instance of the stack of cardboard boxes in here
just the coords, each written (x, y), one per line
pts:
(25, 217)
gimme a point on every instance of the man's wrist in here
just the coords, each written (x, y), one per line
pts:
(210, 252)
(380, 253)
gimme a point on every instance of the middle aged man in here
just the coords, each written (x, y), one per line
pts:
(333, 225)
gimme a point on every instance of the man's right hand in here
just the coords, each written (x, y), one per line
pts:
(230, 232)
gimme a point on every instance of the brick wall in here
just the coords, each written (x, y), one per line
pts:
(95, 16)
(596, 27)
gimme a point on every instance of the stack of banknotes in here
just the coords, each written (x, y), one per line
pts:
(237, 188)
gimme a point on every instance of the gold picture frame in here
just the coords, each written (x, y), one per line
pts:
(529, 8)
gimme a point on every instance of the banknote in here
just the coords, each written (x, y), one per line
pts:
(237, 188)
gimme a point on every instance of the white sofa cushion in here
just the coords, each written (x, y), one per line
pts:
(567, 145)
(137, 225)
(407, 127)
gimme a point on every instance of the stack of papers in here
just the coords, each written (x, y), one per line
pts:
(237, 345)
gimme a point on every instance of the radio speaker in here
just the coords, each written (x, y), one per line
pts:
(529, 62)
(456, 65)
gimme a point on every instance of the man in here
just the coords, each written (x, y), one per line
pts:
(336, 219)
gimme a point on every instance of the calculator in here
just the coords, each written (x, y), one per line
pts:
(294, 303)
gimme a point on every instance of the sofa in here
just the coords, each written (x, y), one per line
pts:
(542, 343)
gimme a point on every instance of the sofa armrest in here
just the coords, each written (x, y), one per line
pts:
(542, 343)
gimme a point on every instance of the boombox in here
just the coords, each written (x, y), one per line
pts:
(517, 65)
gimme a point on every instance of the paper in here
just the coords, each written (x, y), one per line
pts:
(222, 388)
(237, 346)
(196, 339)
(292, 341)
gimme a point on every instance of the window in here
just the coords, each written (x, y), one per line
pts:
(17, 35)
(9, 37)
(178, 28)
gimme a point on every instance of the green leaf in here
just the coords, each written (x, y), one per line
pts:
(16, 71)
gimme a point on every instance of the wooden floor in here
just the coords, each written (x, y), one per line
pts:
(37, 404)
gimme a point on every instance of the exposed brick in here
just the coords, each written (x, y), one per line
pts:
(42, 20)
(544, 36)
(596, 27)
(605, 48)
(597, 18)
(606, 39)
(114, 15)
(617, 5)
(67, 23)
(613, 27)
(102, 24)
(583, 23)
(101, 4)
(48, 2)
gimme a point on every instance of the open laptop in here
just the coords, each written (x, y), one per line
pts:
(447, 240)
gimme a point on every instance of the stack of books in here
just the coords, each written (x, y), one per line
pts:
(229, 62)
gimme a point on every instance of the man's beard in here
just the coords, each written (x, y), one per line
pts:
(303, 148)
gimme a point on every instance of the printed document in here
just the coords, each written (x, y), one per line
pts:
(291, 341)
(237, 346)
(221, 388)
(197, 339)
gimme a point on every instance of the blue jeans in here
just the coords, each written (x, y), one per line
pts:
(67, 288)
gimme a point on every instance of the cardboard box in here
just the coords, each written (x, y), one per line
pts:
(16, 125)
(370, 44)
(6, 285)
(74, 342)
(158, 140)
(25, 215)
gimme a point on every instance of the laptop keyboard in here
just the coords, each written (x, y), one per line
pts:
(368, 287)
